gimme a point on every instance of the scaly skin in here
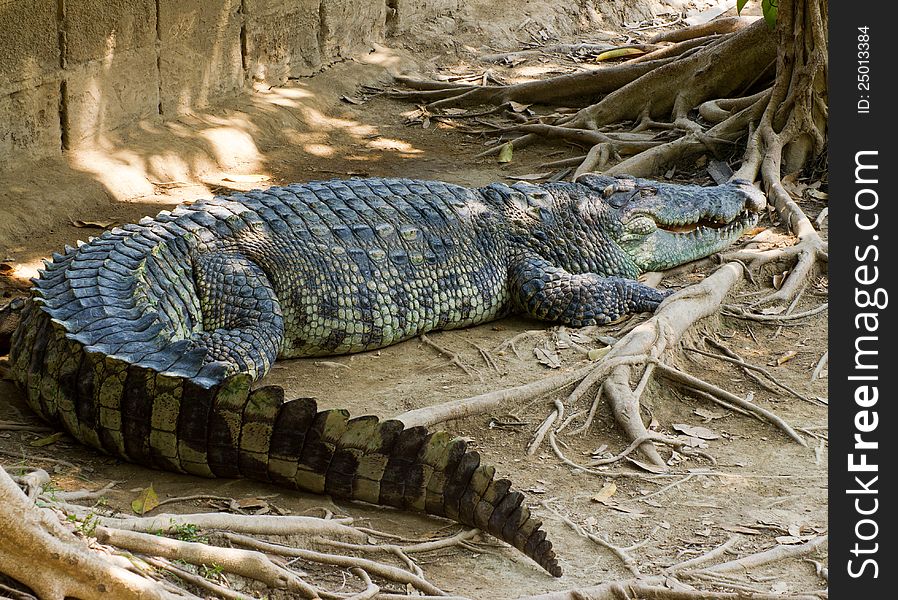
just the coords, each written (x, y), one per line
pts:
(144, 342)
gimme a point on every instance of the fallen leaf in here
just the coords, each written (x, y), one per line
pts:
(708, 415)
(604, 494)
(794, 529)
(352, 100)
(46, 441)
(253, 178)
(656, 469)
(597, 353)
(779, 279)
(506, 153)
(773, 310)
(550, 359)
(599, 450)
(146, 501)
(788, 540)
(740, 529)
(696, 431)
(618, 53)
(818, 194)
(703, 532)
(786, 357)
(97, 224)
(517, 106)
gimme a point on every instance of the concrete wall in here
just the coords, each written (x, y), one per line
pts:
(71, 70)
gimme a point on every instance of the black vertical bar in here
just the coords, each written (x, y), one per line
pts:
(862, 263)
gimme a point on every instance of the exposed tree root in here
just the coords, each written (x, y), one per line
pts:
(669, 586)
(38, 551)
(125, 556)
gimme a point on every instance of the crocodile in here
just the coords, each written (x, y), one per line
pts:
(146, 342)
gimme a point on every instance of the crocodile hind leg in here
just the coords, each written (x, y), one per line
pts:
(243, 327)
(542, 290)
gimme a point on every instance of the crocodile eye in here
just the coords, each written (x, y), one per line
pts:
(618, 200)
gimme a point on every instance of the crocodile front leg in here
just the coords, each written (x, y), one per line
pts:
(540, 289)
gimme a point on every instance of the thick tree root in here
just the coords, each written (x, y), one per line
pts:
(125, 556)
(38, 551)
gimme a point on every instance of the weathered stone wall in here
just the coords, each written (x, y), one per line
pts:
(72, 70)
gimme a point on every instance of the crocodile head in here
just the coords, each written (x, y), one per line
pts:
(659, 226)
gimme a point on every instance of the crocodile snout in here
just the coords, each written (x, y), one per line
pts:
(755, 199)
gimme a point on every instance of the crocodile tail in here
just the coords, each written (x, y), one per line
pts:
(230, 430)
(381, 462)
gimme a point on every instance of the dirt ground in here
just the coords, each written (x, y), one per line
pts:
(763, 486)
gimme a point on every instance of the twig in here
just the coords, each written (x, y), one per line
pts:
(376, 568)
(738, 360)
(628, 561)
(684, 378)
(452, 356)
(821, 364)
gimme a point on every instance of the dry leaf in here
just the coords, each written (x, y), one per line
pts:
(550, 359)
(46, 441)
(786, 357)
(740, 529)
(146, 501)
(788, 540)
(604, 494)
(506, 153)
(618, 53)
(818, 194)
(696, 431)
(352, 100)
(708, 415)
(597, 353)
(773, 310)
(517, 106)
(599, 450)
(779, 279)
(656, 469)
(97, 224)
(253, 178)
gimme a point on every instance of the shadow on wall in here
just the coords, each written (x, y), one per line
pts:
(73, 70)
(138, 100)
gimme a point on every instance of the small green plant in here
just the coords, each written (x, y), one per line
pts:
(86, 526)
(768, 9)
(188, 532)
(211, 571)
